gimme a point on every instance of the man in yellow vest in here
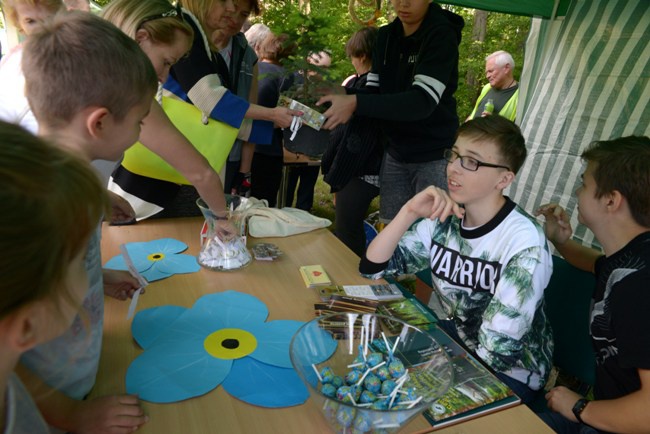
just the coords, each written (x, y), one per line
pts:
(501, 94)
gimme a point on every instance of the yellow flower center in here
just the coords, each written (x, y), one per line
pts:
(230, 344)
(156, 257)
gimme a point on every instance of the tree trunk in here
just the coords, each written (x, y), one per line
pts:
(479, 29)
(305, 6)
(480, 25)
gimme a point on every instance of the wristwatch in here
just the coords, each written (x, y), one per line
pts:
(579, 407)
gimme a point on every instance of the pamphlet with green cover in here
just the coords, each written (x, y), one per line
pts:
(408, 310)
(475, 391)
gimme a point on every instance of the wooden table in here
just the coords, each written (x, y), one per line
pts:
(279, 285)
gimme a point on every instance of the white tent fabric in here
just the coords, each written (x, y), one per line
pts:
(586, 78)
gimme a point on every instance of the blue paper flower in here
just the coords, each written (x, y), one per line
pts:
(222, 339)
(156, 259)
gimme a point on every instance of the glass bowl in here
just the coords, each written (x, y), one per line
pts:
(223, 255)
(365, 378)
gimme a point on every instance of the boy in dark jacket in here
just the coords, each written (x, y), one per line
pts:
(414, 76)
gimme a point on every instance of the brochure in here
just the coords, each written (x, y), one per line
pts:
(476, 390)
(380, 292)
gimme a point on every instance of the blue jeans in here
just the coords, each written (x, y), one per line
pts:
(562, 425)
(401, 181)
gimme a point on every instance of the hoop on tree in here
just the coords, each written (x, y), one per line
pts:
(367, 3)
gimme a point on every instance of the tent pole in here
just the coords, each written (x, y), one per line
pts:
(556, 5)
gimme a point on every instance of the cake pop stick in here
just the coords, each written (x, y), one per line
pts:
(368, 371)
(351, 323)
(412, 403)
(317, 373)
(392, 399)
(398, 385)
(365, 341)
(390, 353)
(387, 425)
(361, 342)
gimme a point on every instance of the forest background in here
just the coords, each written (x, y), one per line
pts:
(329, 24)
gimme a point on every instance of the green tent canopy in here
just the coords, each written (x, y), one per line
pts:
(586, 77)
(533, 8)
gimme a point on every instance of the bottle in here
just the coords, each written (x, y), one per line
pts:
(489, 106)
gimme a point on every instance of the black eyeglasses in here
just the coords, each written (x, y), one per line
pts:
(174, 12)
(469, 163)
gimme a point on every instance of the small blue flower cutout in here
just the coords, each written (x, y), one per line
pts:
(157, 259)
(223, 339)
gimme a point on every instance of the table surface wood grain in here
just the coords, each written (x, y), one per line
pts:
(279, 285)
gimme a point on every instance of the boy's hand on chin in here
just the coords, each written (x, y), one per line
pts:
(434, 202)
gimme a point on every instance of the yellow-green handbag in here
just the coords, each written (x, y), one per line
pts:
(213, 141)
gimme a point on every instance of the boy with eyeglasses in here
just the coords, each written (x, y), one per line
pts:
(489, 260)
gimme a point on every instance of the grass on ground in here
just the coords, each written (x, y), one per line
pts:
(324, 207)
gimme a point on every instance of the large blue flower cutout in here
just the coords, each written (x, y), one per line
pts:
(222, 339)
(156, 259)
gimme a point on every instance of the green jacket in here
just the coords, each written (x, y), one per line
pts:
(509, 111)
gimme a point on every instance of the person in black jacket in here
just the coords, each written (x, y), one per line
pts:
(352, 161)
(414, 76)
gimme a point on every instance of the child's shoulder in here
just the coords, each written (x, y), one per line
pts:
(526, 220)
(22, 413)
(524, 228)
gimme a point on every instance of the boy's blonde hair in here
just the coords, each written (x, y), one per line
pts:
(50, 203)
(9, 8)
(158, 17)
(78, 60)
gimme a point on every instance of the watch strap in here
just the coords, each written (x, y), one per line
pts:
(579, 407)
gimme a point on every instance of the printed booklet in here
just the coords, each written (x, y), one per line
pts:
(408, 310)
(310, 117)
(379, 292)
(475, 392)
(314, 275)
